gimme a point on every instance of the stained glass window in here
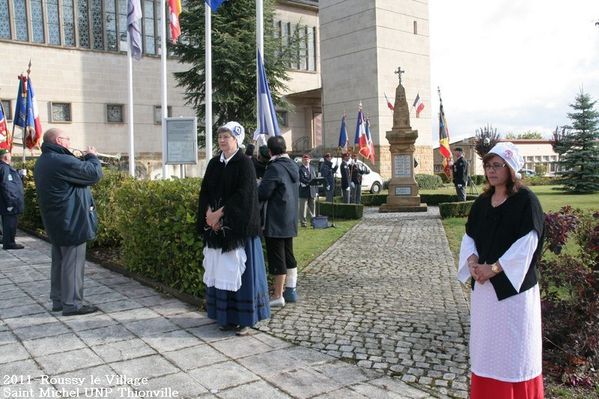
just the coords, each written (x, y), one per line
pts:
(4, 20)
(53, 22)
(110, 24)
(97, 28)
(20, 11)
(68, 23)
(37, 21)
(83, 24)
(150, 45)
(122, 25)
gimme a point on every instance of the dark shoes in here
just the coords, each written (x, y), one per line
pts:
(85, 309)
(56, 308)
(13, 246)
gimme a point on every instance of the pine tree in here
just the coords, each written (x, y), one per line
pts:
(580, 161)
(233, 61)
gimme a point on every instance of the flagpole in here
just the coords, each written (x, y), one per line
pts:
(164, 110)
(259, 53)
(208, 81)
(131, 127)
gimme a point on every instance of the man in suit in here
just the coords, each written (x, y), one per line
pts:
(12, 200)
(460, 173)
(345, 179)
(327, 170)
(307, 192)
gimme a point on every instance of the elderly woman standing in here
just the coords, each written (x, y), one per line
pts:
(229, 221)
(498, 255)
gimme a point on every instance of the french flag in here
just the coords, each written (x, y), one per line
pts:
(27, 114)
(389, 104)
(268, 124)
(418, 104)
(363, 136)
(5, 144)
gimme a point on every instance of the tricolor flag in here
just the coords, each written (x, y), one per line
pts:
(389, 103)
(214, 4)
(418, 105)
(267, 115)
(175, 10)
(134, 28)
(363, 136)
(343, 136)
(4, 137)
(444, 141)
(26, 113)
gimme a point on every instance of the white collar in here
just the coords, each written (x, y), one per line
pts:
(226, 160)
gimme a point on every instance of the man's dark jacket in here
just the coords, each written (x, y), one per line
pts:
(11, 191)
(328, 172)
(279, 189)
(306, 174)
(345, 175)
(62, 183)
(460, 171)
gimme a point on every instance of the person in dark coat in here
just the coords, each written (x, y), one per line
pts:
(345, 178)
(68, 211)
(229, 222)
(460, 173)
(307, 192)
(279, 189)
(356, 172)
(12, 200)
(327, 170)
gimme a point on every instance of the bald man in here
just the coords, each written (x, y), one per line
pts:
(69, 214)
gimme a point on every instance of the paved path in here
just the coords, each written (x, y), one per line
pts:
(385, 297)
(142, 343)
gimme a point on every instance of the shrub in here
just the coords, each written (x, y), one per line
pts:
(444, 178)
(479, 179)
(373, 199)
(104, 193)
(539, 180)
(436, 199)
(157, 222)
(428, 182)
(570, 305)
(342, 211)
(455, 209)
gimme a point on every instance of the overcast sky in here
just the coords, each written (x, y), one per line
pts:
(515, 64)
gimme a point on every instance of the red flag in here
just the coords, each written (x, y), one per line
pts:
(389, 104)
(175, 8)
(4, 137)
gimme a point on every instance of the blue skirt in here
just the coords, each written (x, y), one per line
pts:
(248, 305)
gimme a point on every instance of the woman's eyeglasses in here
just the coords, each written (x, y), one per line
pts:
(494, 166)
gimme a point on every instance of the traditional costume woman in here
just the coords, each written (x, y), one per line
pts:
(229, 221)
(498, 256)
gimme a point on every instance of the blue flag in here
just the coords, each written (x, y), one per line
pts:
(214, 4)
(134, 27)
(266, 108)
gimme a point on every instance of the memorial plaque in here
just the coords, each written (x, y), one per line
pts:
(405, 190)
(402, 166)
(181, 141)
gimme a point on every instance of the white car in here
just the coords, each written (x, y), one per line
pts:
(371, 181)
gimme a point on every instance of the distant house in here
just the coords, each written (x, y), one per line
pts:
(535, 152)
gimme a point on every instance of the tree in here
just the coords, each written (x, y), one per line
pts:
(529, 135)
(580, 160)
(485, 139)
(233, 61)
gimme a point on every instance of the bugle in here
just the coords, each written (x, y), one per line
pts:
(80, 154)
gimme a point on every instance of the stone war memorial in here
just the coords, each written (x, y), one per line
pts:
(403, 190)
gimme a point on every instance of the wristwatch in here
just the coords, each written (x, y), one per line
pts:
(495, 268)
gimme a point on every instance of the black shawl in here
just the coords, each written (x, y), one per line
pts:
(494, 230)
(234, 187)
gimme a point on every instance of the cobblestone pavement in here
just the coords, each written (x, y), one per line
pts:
(144, 344)
(385, 297)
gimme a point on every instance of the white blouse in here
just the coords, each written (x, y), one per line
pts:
(505, 336)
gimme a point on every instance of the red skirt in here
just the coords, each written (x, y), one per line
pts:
(489, 388)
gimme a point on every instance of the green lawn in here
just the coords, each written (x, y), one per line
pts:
(551, 198)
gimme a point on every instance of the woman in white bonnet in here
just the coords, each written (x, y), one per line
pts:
(498, 257)
(229, 222)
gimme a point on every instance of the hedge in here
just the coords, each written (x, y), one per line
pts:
(455, 209)
(341, 211)
(157, 222)
(428, 182)
(429, 199)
